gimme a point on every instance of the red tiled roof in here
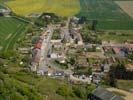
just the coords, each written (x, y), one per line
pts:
(116, 50)
(38, 45)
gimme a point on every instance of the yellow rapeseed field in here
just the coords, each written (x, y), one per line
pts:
(59, 7)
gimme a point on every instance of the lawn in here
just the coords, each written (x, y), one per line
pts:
(11, 29)
(59, 7)
(108, 14)
(120, 36)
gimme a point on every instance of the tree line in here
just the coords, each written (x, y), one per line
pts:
(119, 71)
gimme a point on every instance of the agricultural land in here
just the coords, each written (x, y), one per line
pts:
(108, 14)
(10, 32)
(59, 7)
(127, 6)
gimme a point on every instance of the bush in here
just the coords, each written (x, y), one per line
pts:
(63, 91)
(89, 89)
(79, 92)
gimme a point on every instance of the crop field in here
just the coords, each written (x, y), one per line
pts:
(11, 30)
(127, 6)
(59, 7)
(108, 14)
(1, 1)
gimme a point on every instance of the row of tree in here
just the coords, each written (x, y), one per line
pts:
(122, 73)
(119, 72)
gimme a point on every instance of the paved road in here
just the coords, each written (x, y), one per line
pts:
(44, 49)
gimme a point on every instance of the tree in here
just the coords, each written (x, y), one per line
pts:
(90, 71)
(120, 71)
(89, 89)
(72, 61)
(94, 23)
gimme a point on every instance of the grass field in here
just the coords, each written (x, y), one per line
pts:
(10, 32)
(59, 7)
(120, 36)
(108, 14)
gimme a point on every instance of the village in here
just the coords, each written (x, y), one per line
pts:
(71, 50)
(59, 51)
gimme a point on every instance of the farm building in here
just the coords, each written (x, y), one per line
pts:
(103, 94)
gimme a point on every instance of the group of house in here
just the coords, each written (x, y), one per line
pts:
(112, 53)
(36, 53)
(121, 50)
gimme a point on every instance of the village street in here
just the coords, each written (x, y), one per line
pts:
(43, 67)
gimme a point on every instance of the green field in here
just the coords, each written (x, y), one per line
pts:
(108, 14)
(59, 7)
(1, 1)
(119, 36)
(11, 29)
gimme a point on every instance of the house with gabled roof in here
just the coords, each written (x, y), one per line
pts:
(103, 94)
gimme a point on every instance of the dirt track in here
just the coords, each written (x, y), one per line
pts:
(128, 95)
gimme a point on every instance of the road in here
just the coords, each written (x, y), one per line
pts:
(128, 95)
(44, 50)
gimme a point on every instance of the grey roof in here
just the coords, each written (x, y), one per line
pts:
(103, 94)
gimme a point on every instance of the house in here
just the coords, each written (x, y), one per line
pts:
(74, 20)
(80, 80)
(56, 43)
(82, 62)
(36, 53)
(54, 55)
(96, 68)
(38, 45)
(40, 72)
(129, 67)
(33, 66)
(129, 48)
(116, 50)
(107, 49)
(50, 72)
(96, 77)
(103, 94)
(106, 68)
(58, 73)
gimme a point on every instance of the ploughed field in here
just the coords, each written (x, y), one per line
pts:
(11, 29)
(59, 7)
